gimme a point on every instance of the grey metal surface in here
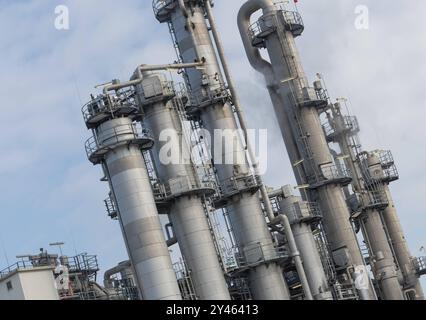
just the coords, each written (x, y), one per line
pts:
(308, 249)
(142, 231)
(250, 228)
(382, 260)
(394, 228)
(187, 213)
(289, 81)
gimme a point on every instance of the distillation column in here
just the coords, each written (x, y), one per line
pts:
(117, 145)
(372, 200)
(276, 31)
(382, 170)
(302, 215)
(187, 210)
(211, 101)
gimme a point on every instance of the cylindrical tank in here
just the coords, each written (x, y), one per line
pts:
(138, 214)
(383, 266)
(306, 244)
(187, 213)
(394, 228)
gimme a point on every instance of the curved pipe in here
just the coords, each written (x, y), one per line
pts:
(109, 273)
(283, 220)
(253, 54)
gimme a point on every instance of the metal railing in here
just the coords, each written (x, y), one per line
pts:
(111, 208)
(386, 158)
(21, 265)
(213, 90)
(391, 173)
(157, 89)
(234, 185)
(167, 191)
(420, 265)
(159, 5)
(351, 124)
(302, 211)
(264, 26)
(117, 135)
(331, 173)
(257, 254)
(110, 104)
(345, 292)
(183, 276)
(374, 196)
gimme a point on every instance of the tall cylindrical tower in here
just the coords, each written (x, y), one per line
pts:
(188, 211)
(382, 170)
(299, 107)
(302, 215)
(212, 103)
(117, 145)
(372, 200)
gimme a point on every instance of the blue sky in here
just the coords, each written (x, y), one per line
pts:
(50, 192)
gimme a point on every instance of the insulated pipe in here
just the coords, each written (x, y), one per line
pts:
(306, 244)
(283, 220)
(138, 77)
(253, 54)
(237, 105)
(109, 273)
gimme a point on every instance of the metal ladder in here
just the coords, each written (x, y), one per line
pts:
(325, 256)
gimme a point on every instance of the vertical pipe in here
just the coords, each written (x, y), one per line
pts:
(305, 242)
(296, 256)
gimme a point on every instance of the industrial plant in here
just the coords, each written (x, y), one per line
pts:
(176, 183)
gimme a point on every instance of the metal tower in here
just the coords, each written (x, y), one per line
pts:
(213, 104)
(303, 216)
(298, 107)
(368, 202)
(185, 192)
(116, 145)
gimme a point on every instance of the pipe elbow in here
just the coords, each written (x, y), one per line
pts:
(253, 54)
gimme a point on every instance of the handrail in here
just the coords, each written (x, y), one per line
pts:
(93, 145)
(260, 28)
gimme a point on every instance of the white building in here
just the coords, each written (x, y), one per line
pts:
(37, 283)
